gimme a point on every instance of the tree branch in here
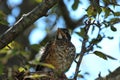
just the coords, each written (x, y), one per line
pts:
(25, 21)
(72, 24)
(115, 75)
(83, 49)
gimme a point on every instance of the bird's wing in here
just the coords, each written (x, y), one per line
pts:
(47, 50)
(44, 55)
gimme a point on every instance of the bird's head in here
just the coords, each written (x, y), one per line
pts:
(63, 34)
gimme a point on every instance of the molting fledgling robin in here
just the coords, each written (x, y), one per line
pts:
(59, 52)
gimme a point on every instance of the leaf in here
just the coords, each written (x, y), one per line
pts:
(100, 54)
(110, 37)
(91, 11)
(104, 56)
(42, 64)
(97, 40)
(98, 46)
(99, 10)
(47, 65)
(113, 28)
(99, 37)
(38, 1)
(21, 69)
(116, 13)
(106, 2)
(111, 57)
(35, 76)
(114, 20)
(82, 33)
(80, 76)
(107, 11)
(114, 3)
(75, 5)
(94, 41)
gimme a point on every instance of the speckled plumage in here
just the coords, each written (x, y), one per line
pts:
(59, 52)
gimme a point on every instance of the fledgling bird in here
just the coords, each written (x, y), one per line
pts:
(59, 52)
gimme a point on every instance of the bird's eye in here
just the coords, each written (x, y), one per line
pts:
(66, 31)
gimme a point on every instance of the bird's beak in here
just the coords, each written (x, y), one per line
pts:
(61, 34)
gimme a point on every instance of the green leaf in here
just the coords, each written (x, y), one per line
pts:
(99, 10)
(110, 2)
(97, 40)
(116, 13)
(82, 33)
(111, 57)
(114, 20)
(38, 1)
(36, 76)
(104, 56)
(114, 3)
(21, 69)
(46, 65)
(106, 2)
(110, 37)
(75, 5)
(113, 28)
(100, 54)
(98, 46)
(94, 41)
(107, 11)
(91, 11)
(99, 37)
(42, 64)
(80, 76)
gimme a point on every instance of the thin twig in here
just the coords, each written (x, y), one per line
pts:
(83, 48)
(80, 59)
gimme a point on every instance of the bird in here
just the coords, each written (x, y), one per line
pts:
(59, 52)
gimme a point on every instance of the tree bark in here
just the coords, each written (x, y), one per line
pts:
(25, 21)
(115, 75)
